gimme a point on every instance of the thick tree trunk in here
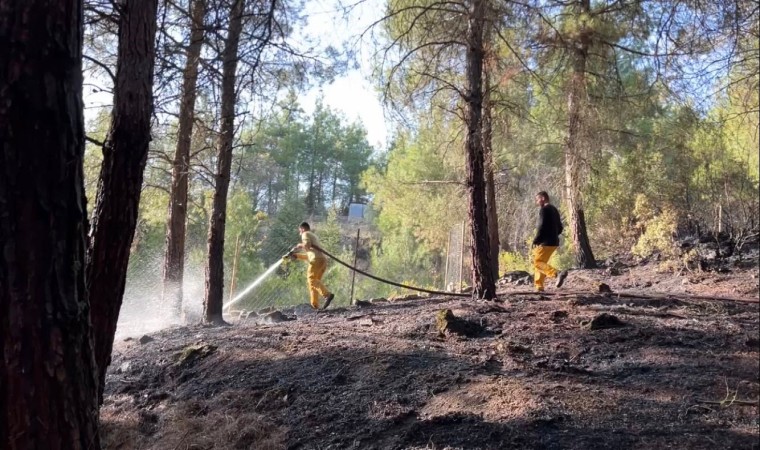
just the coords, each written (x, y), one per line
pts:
(320, 192)
(311, 195)
(174, 259)
(48, 376)
(574, 145)
(492, 211)
(212, 304)
(121, 175)
(482, 275)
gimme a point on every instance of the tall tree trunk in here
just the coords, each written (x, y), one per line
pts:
(121, 175)
(48, 375)
(492, 211)
(575, 143)
(482, 276)
(311, 196)
(270, 198)
(320, 192)
(174, 259)
(213, 302)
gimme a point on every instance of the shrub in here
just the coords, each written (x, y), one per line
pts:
(658, 229)
(511, 261)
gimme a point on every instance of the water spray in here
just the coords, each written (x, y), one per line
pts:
(256, 282)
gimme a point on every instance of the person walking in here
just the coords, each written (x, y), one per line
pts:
(549, 228)
(309, 250)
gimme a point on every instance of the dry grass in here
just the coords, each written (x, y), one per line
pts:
(196, 425)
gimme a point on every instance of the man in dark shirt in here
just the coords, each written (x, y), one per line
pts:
(546, 242)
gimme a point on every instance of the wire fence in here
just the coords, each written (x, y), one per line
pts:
(458, 259)
(286, 287)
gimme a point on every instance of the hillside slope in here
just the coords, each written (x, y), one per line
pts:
(529, 372)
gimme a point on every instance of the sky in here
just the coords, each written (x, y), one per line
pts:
(350, 94)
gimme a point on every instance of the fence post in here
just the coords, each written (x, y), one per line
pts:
(461, 259)
(448, 256)
(353, 272)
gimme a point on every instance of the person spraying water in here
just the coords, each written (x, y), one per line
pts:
(309, 250)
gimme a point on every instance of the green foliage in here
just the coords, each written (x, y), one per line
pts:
(400, 257)
(282, 231)
(658, 226)
(319, 158)
(330, 234)
(654, 164)
(413, 192)
(242, 229)
(511, 261)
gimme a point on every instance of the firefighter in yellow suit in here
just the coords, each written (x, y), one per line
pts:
(309, 251)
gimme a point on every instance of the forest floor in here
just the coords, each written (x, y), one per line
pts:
(529, 372)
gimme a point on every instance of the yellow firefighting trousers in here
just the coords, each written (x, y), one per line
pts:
(541, 267)
(314, 273)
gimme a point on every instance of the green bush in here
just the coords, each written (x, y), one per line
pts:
(658, 227)
(512, 261)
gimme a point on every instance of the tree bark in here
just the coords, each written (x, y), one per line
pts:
(482, 275)
(492, 211)
(48, 376)
(174, 259)
(213, 302)
(574, 145)
(124, 156)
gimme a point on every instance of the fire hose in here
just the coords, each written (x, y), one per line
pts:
(383, 280)
(632, 295)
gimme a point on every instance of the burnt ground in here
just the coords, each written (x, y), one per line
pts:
(531, 372)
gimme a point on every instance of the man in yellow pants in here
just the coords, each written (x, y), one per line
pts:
(317, 266)
(546, 242)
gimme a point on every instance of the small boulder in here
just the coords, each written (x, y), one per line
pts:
(193, 353)
(145, 339)
(273, 318)
(447, 322)
(603, 321)
(557, 316)
(515, 277)
(514, 349)
(303, 309)
(266, 310)
(604, 288)
(369, 321)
